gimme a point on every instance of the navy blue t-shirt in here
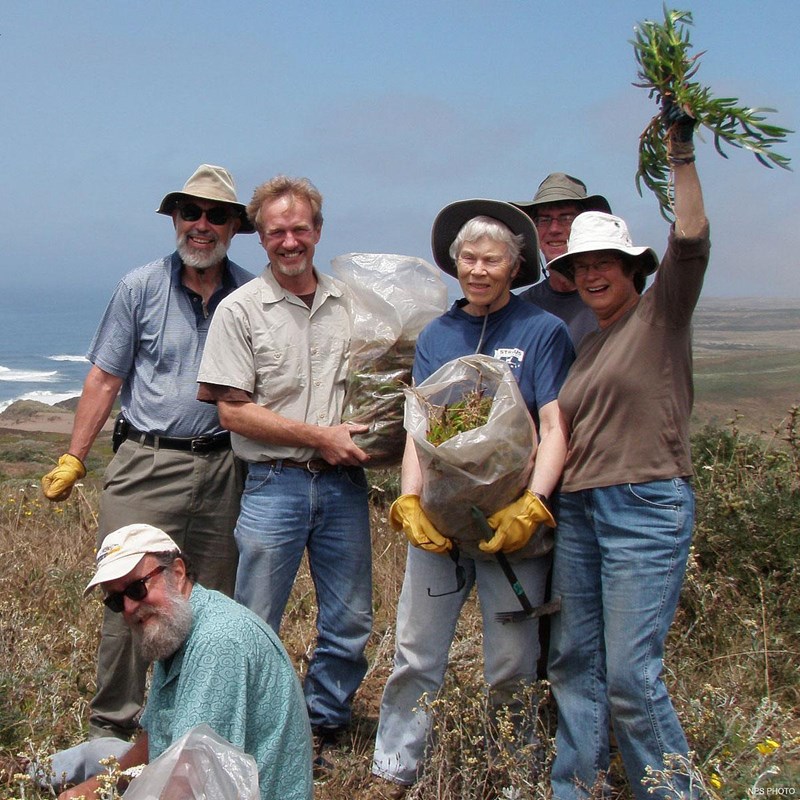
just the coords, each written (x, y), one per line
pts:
(534, 343)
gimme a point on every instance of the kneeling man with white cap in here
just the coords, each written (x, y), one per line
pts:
(215, 662)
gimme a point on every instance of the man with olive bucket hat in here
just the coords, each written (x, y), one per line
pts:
(558, 200)
(490, 246)
(173, 466)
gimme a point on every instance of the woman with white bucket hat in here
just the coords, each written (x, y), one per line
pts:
(626, 506)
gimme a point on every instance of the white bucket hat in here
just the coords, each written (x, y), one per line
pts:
(124, 548)
(594, 230)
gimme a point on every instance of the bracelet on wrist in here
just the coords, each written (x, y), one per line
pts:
(675, 161)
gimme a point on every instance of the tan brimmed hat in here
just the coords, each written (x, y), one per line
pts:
(209, 183)
(452, 218)
(124, 548)
(594, 230)
(558, 187)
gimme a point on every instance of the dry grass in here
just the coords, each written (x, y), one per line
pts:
(732, 664)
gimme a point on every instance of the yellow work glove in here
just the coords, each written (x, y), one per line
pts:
(516, 523)
(58, 483)
(407, 515)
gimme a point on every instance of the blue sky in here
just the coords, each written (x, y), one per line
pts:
(392, 109)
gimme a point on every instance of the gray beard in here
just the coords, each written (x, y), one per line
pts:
(200, 261)
(165, 634)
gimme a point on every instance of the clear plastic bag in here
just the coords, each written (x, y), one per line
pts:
(201, 765)
(488, 466)
(392, 298)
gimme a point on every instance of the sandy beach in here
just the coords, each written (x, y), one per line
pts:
(28, 415)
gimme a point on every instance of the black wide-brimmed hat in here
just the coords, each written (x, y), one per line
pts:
(452, 218)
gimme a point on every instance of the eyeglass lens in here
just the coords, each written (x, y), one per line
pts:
(135, 591)
(545, 220)
(216, 215)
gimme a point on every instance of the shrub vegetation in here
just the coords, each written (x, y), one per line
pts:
(732, 661)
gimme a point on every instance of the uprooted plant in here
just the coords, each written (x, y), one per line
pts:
(667, 70)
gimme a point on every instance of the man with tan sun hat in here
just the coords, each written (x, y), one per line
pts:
(173, 466)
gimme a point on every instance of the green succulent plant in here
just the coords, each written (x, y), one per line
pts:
(666, 68)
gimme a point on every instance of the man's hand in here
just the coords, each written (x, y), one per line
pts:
(57, 484)
(407, 515)
(337, 445)
(516, 523)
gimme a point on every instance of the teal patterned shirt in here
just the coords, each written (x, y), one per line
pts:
(234, 674)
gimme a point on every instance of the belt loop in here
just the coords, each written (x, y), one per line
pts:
(278, 466)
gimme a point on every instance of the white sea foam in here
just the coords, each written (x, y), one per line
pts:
(50, 398)
(81, 359)
(27, 375)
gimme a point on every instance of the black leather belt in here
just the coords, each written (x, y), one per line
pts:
(312, 465)
(197, 444)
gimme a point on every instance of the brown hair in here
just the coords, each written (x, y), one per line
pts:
(280, 186)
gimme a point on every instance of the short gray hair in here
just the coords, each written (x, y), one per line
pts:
(478, 227)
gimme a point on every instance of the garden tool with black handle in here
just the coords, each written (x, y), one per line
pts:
(528, 611)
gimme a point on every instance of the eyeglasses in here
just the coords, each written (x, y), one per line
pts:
(136, 591)
(216, 215)
(545, 220)
(601, 265)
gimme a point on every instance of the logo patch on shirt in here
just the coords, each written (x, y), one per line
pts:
(511, 355)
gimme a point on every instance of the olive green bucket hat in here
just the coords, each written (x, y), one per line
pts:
(558, 187)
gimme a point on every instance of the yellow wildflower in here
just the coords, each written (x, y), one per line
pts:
(767, 747)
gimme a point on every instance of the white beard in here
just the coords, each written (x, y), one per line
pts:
(166, 629)
(201, 261)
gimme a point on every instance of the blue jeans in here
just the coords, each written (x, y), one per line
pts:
(619, 561)
(285, 511)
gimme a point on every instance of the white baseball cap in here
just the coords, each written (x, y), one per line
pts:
(124, 548)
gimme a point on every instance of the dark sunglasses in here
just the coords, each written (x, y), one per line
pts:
(136, 591)
(216, 215)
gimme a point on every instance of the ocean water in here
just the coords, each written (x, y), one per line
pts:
(45, 336)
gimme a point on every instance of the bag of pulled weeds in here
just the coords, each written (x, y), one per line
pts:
(392, 298)
(483, 459)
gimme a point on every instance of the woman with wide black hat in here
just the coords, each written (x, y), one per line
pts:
(490, 246)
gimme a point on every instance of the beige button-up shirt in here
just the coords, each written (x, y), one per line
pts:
(287, 357)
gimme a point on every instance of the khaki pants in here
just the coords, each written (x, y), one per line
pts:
(195, 499)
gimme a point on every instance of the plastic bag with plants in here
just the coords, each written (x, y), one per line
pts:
(392, 298)
(475, 441)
